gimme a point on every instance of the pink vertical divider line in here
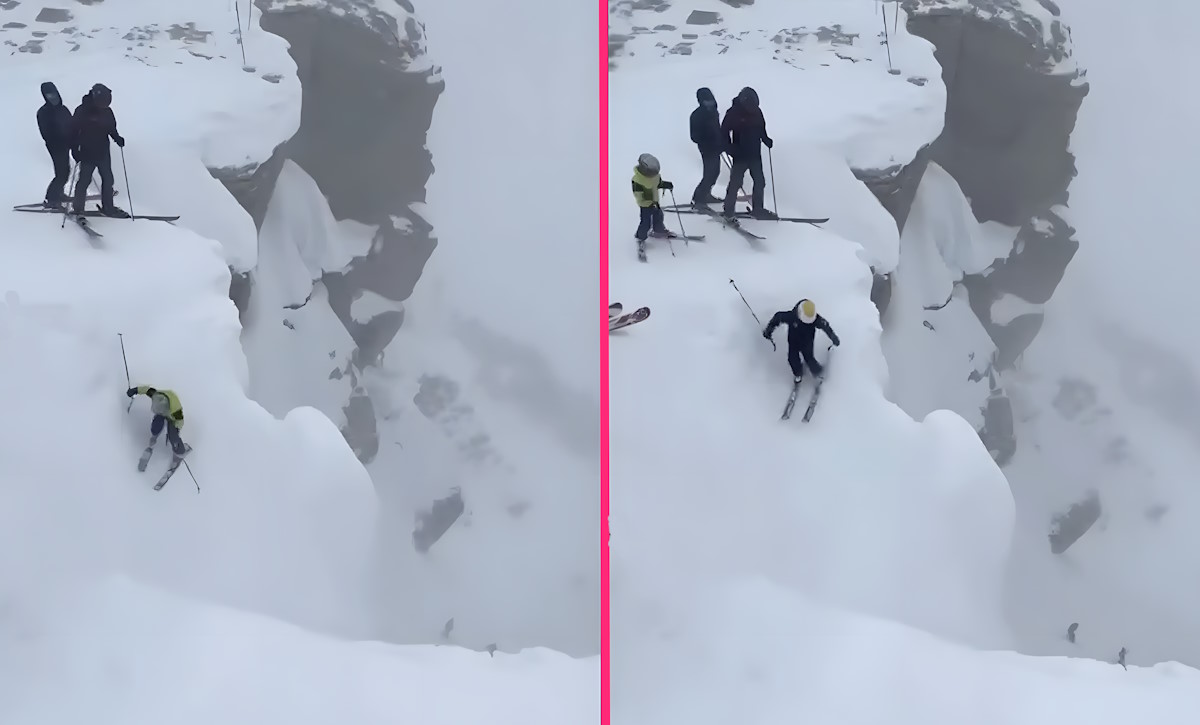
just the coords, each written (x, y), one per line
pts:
(602, 150)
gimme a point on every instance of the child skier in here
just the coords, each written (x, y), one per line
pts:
(802, 323)
(167, 411)
(646, 183)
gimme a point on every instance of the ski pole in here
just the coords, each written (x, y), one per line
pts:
(752, 313)
(128, 193)
(189, 470)
(128, 383)
(771, 164)
(680, 215)
(66, 207)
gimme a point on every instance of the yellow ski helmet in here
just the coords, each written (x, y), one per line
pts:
(807, 311)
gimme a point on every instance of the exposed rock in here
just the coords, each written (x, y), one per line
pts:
(703, 17)
(896, 186)
(1070, 526)
(53, 15)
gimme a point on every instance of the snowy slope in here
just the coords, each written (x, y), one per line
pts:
(1109, 389)
(760, 567)
(246, 601)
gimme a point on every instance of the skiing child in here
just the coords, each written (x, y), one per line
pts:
(802, 323)
(167, 411)
(646, 183)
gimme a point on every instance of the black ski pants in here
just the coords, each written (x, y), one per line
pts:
(799, 356)
(56, 192)
(737, 174)
(87, 167)
(173, 438)
(711, 170)
(651, 218)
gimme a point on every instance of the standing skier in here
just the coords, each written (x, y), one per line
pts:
(93, 125)
(54, 121)
(646, 183)
(746, 129)
(167, 411)
(707, 135)
(802, 323)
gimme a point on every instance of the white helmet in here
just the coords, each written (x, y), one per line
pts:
(807, 311)
(648, 165)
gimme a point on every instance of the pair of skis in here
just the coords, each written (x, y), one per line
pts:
(617, 321)
(641, 243)
(812, 401)
(81, 219)
(176, 460)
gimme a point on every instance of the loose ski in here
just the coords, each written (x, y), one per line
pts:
(626, 320)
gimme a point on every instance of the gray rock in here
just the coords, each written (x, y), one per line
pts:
(703, 17)
(53, 15)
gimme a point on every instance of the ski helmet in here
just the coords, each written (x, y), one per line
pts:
(101, 94)
(807, 311)
(648, 165)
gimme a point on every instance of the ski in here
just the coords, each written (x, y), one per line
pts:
(812, 402)
(175, 462)
(791, 401)
(87, 228)
(731, 224)
(626, 320)
(615, 309)
(145, 459)
(673, 235)
(641, 250)
(672, 207)
(42, 205)
(799, 220)
(89, 213)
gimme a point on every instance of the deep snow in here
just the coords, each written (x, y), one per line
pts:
(248, 601)
(763, 568)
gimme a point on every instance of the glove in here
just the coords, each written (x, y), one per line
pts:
(768, 143)
(767, 334)
(121, 142)
(666, 185)
(131, 392)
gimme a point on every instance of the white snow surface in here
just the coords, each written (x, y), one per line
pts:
(766, 569)
(170, 137)
(253, 599)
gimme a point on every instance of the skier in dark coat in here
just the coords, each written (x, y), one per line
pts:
(93, 125)
(802, 324)
(54, 122)
(709, 139)
(746, 130)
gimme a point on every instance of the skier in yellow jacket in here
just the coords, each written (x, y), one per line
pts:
(646, 183)
(168, 411)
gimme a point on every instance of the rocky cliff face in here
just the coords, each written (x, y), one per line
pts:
(1012, 95)
(369, 95)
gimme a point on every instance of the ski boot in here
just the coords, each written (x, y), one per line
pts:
(764, 214)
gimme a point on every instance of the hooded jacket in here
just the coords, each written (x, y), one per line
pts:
(93, 126)
(745, 125)
(54, 119)
(706, 124)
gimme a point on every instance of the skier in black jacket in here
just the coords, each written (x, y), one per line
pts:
(93, 125)
(746, 129)
(54, 121)
(802, 324)
(707, 135)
